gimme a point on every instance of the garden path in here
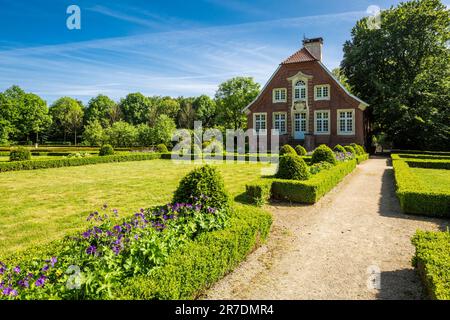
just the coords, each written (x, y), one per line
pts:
(331, 249)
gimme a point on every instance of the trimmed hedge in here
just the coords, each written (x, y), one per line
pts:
(201, 262)
(323, 153)
(432, 260)
(293, 167)
(311, 190)
(20, 154)
(106, 150)
(362, 157)
(69, 162)
(259, 193)
(413, 197)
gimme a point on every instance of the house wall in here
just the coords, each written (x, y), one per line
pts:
(339, 99)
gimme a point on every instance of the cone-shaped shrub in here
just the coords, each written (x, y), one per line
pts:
(300, 150)
(350, 149)
(292, 167)
(358, 149)
(287, 149)
(339, 148)
(323, 153)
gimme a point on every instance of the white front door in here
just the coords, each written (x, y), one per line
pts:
(299, 125)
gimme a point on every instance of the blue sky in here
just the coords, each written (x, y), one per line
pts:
(171, 47)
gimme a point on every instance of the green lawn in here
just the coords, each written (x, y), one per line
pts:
(42, 205)
(434, 180)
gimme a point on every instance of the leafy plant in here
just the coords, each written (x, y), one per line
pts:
(20, 154)
(287, 149)
(106, 150)
(301, 151)
(292, 167)
(323, 154)
(161, 148)
(339, 148)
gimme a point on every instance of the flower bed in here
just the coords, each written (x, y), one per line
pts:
(414, 193)
(68, 162)
(432, 260)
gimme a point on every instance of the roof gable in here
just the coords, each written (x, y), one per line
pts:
(302, 55)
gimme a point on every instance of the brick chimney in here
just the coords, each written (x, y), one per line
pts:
(314, 46)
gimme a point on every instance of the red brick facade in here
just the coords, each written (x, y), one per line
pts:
(313, 73)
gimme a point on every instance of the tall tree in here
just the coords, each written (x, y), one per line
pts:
(186, 114)
(402, 69)
(231, 97)
(99, 108)
(67, 115)
(205, 110)
(135, 108)
(33, 117)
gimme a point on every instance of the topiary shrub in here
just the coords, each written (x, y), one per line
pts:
(292, 167)
(300, 150)
(20, 154)
(323, 153)
(161, 148)
(357, 149)
(339, 148)
(106, 150)
(350, 149)
(287, 149)
(204, 185)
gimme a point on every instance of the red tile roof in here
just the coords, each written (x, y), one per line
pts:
(301, 55)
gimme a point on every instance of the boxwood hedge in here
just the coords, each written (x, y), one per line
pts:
(432, 260)
(259, 193)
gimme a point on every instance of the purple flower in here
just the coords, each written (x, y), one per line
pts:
(41, 281)
(45, 268)
(24, 283)
(14, 293)
(30, 275)
(53, 261)
(136, 237)
(91, 250)
(87, 234)
(116, 249)
(116, 212)
(142, 210)
(17, 269)
(211, 210)
(118, 228)
(7, 291)
(2, 270)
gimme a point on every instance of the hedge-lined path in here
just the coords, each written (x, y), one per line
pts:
(324, 251)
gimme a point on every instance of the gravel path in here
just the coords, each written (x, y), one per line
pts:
(332, 249)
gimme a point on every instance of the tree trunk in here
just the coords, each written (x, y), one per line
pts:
(75, 137)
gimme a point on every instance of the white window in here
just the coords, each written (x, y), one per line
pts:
(322, 122)
(346, 121)
(322, 92)
(279, 122)
(259, 122)
(300, 91)
(279, 95)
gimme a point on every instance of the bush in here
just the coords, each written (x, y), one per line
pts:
(300, 150)
(200, 263)
(350, 149)
(259, 193)
(311, 190)
(432, 260)
(292, 167)
(203, 184)
(339, 148)
(20, 154)
(93, 134)
(106, 150)
(323, 154)
(287, 149)
(317, 167)
(161, 148)
(122, 134)
(358, 149)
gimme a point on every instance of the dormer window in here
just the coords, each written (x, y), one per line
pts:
(300, 91)
(322, 92)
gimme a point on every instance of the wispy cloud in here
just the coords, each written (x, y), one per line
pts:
(186, 62)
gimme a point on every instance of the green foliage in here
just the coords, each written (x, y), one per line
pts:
(311, 190)
(232, 96)
(320, 166)
(106, 150)
(161, 148)
(323, 154)
(401, 69)
(93, 134)
(362, 157)
(301, 151)
(205, 110)
(200, 263)
(163, 130)
(358, 149)
(292, 167)
(287, 149)
(259, 193)
(100, 109)
(71, 162)
(67, 114)
(135, 108)
(121, 134)
(204, 183)
(350, 149)
(419, 195)
(339, 148)
(432, 259)
(20, 154)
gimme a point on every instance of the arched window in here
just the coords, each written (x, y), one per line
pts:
(300, 91)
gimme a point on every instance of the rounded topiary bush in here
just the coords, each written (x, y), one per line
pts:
(339, 148)
(204, 185)
(323, 153)
(292, 167)
(300, 150)
(287, 149)
(20, 154)
(161, 148)
(106, 150)
(357, 149)
(350, 149)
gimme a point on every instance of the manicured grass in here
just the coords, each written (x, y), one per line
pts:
(43, 205)
(434, 180)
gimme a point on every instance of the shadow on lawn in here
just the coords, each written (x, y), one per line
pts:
(404, 284)
(389, 206)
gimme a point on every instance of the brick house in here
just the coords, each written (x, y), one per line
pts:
(307, 104)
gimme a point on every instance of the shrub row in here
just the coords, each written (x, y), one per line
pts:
(68, 162)
(414, 198)
(432, 260)
(362, 157)
(259, 193)
(201, 262)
